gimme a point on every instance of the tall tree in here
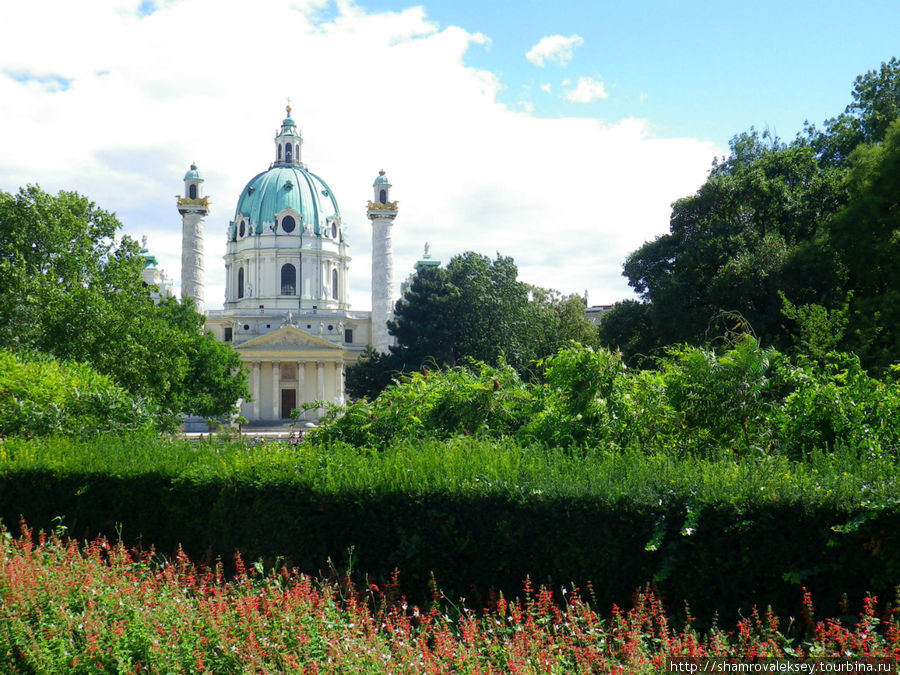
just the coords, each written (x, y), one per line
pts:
(866, 236)
(628, 327)
(738, 241)
(475, 308)
(875, 105)
(555, 320)
(772, 230)
(72, 288)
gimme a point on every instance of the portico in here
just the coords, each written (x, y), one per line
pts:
(289, 367)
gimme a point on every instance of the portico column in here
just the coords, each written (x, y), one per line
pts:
(276, 390)
(301, 382)
(255, 390)
(320, 382)
(339, 376)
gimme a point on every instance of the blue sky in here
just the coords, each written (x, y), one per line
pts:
(556, 133)
(697, 69)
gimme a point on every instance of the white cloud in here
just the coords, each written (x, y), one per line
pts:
(119, 108)
(547, 88)
(587, 90)
(554, 48)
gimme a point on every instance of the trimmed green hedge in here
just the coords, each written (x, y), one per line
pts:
(722, 535)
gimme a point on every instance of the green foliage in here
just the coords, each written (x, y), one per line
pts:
(813, 220)
(72, 289)
(744, 399)
(371, 373)
(838, 404)
(214, 378)
(875, 106)
(581, 400)
(733, 246)
(722, 402)
(628, 327)
(475, 309)
(819, 330)
(476, 400)
(40, 396)
(866, 237)
(554, 321)
(483, 513)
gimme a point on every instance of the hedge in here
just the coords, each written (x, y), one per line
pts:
(721, 536)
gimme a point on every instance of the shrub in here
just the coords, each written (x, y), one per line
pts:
(474, 400)
(582, 399)
(40, 396)
(837, 404)
(746, 399)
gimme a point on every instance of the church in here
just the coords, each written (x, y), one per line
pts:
(287, 309)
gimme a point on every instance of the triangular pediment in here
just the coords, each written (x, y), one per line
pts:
(288, 337)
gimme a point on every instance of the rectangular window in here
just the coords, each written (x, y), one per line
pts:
(348, 335)
(228, 334)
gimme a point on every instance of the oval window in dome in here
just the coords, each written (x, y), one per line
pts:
(288, 223)
(333, 231)
(242, 230)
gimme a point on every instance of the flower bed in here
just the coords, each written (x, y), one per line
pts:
(103, 607)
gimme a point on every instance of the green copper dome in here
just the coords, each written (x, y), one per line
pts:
(281, 187)
(382, 179)
(193, 173)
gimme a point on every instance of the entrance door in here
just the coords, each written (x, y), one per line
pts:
(288, 402)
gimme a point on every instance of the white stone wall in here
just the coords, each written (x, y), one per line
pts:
(262, 258)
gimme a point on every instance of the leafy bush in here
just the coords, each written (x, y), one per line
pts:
(40, 396)
(838, 404)
(722, 401)
(582, 400)
(478, 400)
(745, 399)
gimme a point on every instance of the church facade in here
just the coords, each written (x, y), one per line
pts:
(287, 309)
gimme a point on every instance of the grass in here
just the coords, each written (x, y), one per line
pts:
(467, 466)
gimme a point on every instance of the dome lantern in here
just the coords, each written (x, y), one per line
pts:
(288, 142)
(382, 188)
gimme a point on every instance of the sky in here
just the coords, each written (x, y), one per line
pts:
(557, 133)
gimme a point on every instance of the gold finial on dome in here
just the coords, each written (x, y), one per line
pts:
(288, 107)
